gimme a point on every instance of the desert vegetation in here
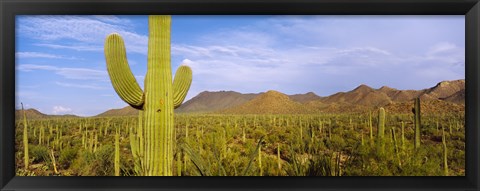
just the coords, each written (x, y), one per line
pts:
(371, 143)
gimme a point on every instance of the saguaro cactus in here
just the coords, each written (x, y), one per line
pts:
(445, 153)
(381, 128)
(416, 112)
(159, 97)
(25, 139)
(117, 153)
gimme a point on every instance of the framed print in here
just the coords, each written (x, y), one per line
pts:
(181, 95)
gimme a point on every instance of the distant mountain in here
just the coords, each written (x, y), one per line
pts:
(362, 95)
(126, 111)
(445, 89)
(367, 96)
(35, 114)
(458, 97)
(213, 101)
(271, 102)
(304, 98)
(359, 99)
(427, 107)
(208, 101)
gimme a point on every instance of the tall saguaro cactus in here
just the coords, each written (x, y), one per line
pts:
(159, 97)
(381, 129)
(25, 139)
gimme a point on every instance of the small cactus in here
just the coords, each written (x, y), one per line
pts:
(416, 112)
(403, 136)
(445, 153)
(370, 125)
(279, 160)
(260, 160)
(381, 129)
(117, 153)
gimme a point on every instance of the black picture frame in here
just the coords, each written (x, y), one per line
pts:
(10, 8)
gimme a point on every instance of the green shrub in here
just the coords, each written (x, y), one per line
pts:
(104, 158)
(39, 153)
(67, 155)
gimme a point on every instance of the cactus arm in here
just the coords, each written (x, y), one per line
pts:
(181, 85)
(119, 71)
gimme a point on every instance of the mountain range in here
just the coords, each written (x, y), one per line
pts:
(448, 95)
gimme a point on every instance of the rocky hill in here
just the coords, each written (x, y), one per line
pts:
(271, 102)
(35, 114)
(304, 98)
(213, 101)
(126, 111)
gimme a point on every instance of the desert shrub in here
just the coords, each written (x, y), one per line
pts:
(83, 163)
(67, 156)
(104, 161)
(39, 153)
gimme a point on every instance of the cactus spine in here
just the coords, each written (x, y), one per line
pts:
(25, 139)
(416, 112)
(381, 128)
(159, 97)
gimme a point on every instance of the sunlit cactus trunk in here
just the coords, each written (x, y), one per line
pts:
(158, 99)
(117, 153)
(25, 139)
(381, 129)
(445, 153)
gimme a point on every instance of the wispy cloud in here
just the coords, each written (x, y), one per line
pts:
(94, 48)
(86, 86)
(446, 52)
(113, 19)
(22, 55)
(83, 30)
(68, 73)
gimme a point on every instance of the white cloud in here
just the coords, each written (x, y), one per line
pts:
(441, 47)
(94, 48)
(446, 52)
(68, 73)
(86, 86)
(60, 110)
(22, 55)
(112, 19)
(88, 33)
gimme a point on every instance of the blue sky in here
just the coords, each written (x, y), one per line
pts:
(60, 65)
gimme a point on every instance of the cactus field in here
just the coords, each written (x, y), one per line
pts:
(250, 145)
